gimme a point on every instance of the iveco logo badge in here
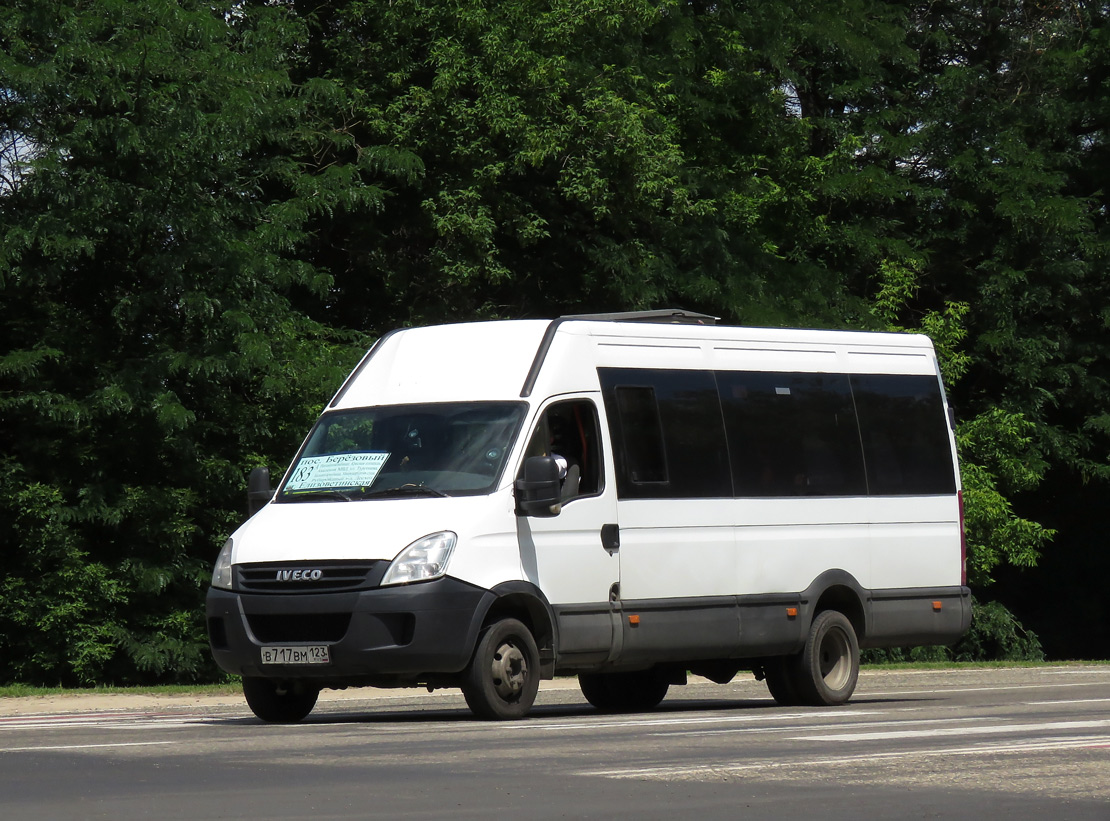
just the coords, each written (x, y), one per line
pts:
(299, 575)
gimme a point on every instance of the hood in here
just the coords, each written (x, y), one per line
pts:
(369, 529)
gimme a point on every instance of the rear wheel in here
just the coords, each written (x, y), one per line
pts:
(504, 674)
(281, 702)
(782, 680)
(623, 692)
(828, 666)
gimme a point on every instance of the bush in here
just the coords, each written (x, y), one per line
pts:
(996, 635)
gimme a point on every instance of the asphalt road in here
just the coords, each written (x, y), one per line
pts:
(1003, 743)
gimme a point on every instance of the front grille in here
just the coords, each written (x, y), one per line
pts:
(305, 577)
(314, 627)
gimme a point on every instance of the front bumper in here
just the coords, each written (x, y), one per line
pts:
(388, 636)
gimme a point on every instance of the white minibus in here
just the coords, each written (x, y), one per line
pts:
(629, 498)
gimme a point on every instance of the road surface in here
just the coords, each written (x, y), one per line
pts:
(998, 743)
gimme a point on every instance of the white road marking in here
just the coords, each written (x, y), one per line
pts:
(1041, 745)
(939, 691)
(795, 728)
(1069, 701)
(684, 721)
(100, 721)
(946, 731)
(1043, 669)
(81, 746)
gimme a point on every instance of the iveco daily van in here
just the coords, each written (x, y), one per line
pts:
(625, 498)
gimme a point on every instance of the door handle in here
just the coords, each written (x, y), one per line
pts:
(611, 538)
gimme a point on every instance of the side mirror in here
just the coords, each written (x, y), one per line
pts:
(259, 491)
(538, 488)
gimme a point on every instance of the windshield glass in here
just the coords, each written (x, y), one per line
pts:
(451, 449)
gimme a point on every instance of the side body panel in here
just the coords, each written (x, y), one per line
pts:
(737, 577)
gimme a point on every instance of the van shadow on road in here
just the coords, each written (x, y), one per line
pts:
(461, 715)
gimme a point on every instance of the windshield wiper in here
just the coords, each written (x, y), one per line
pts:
(315, 495)
(404, 490)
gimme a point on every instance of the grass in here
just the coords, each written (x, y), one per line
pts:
(976, 665)
(28, 691)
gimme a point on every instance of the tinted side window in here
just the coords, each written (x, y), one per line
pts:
(905, 435)
(792, 434)
(668, 437)
(641, 440)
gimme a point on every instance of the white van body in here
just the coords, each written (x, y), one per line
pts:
(722, 498)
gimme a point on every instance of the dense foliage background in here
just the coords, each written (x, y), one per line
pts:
(208, 211)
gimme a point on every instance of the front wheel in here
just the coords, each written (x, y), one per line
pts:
(281, 702)
(828, 666)
(504, 675)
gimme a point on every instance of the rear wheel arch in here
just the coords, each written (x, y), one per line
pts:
(825, 669)
(838, 590)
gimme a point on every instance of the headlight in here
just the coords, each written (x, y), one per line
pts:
(422, 560)
(221, 574)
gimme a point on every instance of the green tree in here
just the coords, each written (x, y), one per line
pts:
(204, 210)
(809, 164)
(565, 156)
(155, 193)
(965, 149)
(1018, 228)
(1010, 220)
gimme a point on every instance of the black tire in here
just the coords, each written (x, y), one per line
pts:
(828, 666)
(781, 680)
(279, 702)
(623, 692)
(503, 677)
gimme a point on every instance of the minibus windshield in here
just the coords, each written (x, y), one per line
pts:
(400, 451)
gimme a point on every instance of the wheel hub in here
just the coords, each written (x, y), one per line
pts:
(835, 659)
(510, 670)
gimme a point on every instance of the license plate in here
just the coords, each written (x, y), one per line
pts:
(313, 654)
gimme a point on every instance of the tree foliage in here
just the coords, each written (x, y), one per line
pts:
(206, 210)
(150, 353)
(966, 197)
(565, 156)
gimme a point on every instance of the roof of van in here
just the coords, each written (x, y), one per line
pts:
(509, 359)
